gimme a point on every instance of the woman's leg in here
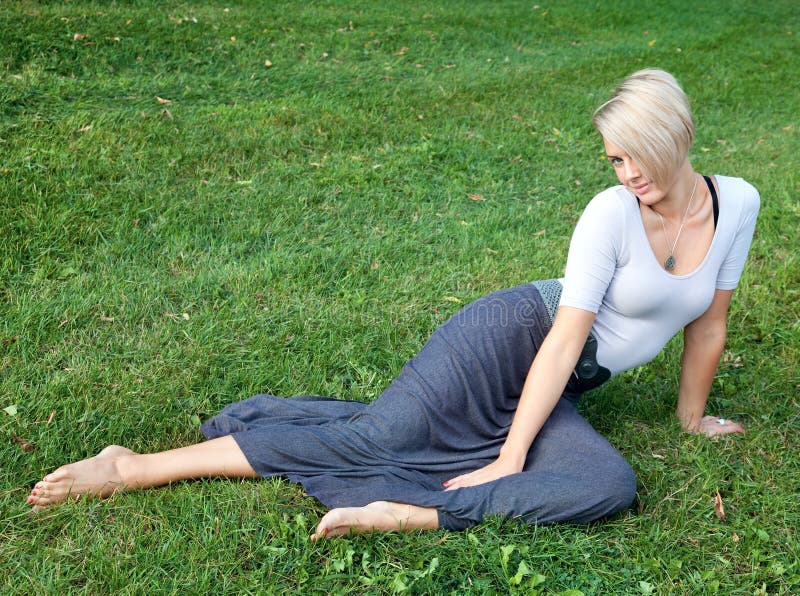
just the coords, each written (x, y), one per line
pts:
(117, 469)
(572, 474)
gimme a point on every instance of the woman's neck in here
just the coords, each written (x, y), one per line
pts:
(676, 200)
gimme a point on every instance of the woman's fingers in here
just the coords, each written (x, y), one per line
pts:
(457, 482)
(492, 471)
(713, 426)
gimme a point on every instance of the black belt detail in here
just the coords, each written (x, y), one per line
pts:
(588, 374)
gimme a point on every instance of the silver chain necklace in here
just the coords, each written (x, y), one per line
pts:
(669, 262)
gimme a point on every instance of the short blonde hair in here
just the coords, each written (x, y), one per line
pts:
(649, 117)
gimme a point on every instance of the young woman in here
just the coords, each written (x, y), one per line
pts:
(483, 420)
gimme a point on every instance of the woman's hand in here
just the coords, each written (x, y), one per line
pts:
(497, 469)
(713, 426)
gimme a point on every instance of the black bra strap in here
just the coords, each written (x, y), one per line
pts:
(714, 199)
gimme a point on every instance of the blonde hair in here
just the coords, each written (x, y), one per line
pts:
(649, 117)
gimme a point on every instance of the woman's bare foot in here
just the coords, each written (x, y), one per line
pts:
(99, 475)
(379, 516)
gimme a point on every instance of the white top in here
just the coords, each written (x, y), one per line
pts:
(612, 271)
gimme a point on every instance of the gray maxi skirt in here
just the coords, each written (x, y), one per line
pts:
(447, 413)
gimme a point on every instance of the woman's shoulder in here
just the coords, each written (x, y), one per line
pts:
(739, 194)
(614, 199)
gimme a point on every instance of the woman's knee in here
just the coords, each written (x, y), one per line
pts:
(617, 490)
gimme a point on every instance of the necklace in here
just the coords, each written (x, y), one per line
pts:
(669, 262)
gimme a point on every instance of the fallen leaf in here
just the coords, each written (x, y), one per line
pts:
(540, 233)
(11, 410)
(185, 316)
(475, 197)
(79, 36)
(26, 446)
(375, 264)
(267, 63)
(651, 43)
(556, 131)
(452, 299)
(402, 51)
(10, 340)
(719, 509)
(735, 537)
(106, 319)
(162, 101)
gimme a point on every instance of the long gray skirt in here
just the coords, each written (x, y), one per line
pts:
(448, 412)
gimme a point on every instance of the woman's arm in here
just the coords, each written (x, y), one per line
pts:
(703, 343)
(543, 387)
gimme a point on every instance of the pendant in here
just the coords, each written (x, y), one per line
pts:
(669, 263)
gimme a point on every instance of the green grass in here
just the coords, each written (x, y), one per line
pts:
(302, 229)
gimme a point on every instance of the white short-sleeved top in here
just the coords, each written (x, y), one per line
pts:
(612, 271)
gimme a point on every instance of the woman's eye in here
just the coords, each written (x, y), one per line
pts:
(615, 161)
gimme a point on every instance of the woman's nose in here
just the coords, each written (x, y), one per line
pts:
(632, 170)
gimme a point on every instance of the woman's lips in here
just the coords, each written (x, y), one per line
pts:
(642, 188)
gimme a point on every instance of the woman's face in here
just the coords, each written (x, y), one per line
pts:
(630, 175)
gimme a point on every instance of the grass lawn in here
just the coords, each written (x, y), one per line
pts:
(201, 201)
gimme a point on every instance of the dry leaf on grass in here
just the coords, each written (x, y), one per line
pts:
(475, 197)
(26, 446)
(162, 101)
(719, 509)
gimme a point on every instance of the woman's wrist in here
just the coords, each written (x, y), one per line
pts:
(690, 419)
(514, 458)
(690, 425)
